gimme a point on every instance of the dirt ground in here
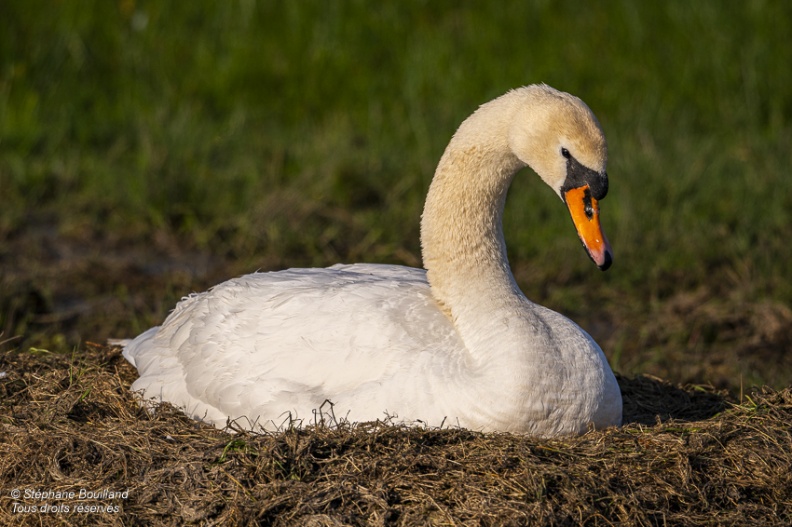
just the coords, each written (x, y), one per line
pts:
(61, 288)
(689, 454)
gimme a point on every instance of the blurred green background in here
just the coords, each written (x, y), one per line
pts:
(151, 149)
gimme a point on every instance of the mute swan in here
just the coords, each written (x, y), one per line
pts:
(457, 343)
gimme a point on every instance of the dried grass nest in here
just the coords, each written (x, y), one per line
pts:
(687, 455)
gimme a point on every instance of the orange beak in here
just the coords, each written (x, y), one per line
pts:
(584, 210)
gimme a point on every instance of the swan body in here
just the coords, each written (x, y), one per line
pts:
(455, 344)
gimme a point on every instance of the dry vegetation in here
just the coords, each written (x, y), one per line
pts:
(686, 456)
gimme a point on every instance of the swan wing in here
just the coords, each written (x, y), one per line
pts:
(266, 344)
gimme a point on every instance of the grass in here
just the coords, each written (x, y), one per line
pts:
(151, 149)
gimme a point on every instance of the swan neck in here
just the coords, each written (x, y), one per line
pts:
(461, 228)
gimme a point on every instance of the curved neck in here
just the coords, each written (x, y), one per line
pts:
(464, 252)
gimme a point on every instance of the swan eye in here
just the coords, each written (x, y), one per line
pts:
(565, 153)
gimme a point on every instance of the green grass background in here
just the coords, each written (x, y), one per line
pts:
(276, 134)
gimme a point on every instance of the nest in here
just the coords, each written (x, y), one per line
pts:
(687, 455)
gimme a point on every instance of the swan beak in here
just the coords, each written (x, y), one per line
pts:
(584, 210)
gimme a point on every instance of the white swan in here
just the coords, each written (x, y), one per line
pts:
(457, 344)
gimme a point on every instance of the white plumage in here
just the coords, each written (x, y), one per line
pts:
(378, 340)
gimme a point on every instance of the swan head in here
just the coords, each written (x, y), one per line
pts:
(559, 137)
